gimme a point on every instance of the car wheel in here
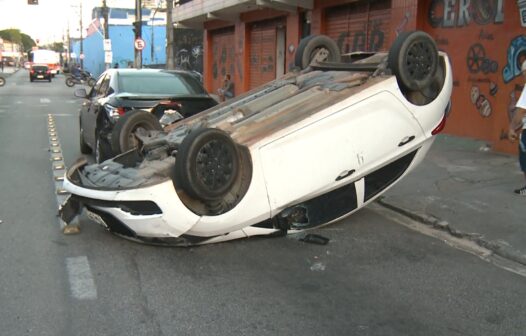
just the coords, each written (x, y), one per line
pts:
(207, 164)
(318, 48)
(91, 82)
(413, 58)
(2, 81)
(123, 135)
(70, 82)
(84, 148)
(102, 149)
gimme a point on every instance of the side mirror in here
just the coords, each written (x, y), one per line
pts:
(81, 93)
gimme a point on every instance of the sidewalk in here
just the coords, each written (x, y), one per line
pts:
(466, 189)
(8, 70)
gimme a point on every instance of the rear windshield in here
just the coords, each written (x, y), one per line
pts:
(159, 83)
(40, 68)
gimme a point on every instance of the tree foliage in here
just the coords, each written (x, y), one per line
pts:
(27, 42)
(15, 36)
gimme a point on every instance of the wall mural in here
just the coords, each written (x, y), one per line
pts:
(482, 67)
(516, 55)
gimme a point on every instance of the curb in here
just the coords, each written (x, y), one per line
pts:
(438, 224)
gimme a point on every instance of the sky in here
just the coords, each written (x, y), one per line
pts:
(48, 21)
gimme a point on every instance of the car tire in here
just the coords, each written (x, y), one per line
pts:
(2, 81)
(413, 59)
(309, 47)
(70, 82)
(91, 82)
(207, 164)
(84, 148)
(122, 138)
(102, 150)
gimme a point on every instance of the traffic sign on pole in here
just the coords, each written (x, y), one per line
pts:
(139, 43)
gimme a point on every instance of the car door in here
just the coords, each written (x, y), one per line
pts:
(341, 147)
(89, 119)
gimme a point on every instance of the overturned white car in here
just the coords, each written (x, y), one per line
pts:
(300, 152)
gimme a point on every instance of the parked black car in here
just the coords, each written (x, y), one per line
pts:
(124, 102)
(39, 72)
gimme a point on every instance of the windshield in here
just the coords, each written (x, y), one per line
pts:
(159, 83)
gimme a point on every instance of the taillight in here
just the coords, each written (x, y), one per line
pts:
(440, 126)
(48, 72)
(32, 71)
(114, 112)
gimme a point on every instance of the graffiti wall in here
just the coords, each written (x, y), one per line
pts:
(486, 41)
(189, 49)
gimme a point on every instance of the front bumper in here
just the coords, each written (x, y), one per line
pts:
(154, 211)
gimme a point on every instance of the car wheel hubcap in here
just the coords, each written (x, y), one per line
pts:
(214, 165)
(419, 60)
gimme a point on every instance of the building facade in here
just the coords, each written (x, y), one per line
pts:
(122, 36)
(255, 41)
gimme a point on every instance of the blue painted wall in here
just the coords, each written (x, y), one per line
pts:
(122, 38)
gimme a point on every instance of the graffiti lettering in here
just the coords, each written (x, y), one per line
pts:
(485, 35)
(359, 40)
(453, 13)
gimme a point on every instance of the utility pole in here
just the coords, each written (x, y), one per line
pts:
(170, 64)
(81, 39)
(152, 47)
(138, 32)
(106, 25)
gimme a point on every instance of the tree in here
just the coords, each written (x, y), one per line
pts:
(12, 35)
(27, 42)
(15, 36)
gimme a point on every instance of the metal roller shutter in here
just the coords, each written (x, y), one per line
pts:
(223, 56)
(360, 26)
(263, 52)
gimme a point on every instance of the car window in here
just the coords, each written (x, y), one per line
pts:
(104, 86)
(94, 91)
(162, 82)
(40, 68)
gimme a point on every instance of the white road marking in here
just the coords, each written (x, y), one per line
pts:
(44, 101)
(80, 278)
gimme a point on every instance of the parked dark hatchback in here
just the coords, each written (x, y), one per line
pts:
(125, 100)
(39, 72)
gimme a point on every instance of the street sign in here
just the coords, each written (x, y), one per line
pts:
(81, 56)
(108, 57)
(107, 45)
(139, 44)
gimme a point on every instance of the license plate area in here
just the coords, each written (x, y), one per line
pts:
(95, 217)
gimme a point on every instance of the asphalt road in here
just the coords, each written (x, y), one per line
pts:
(375, 277)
